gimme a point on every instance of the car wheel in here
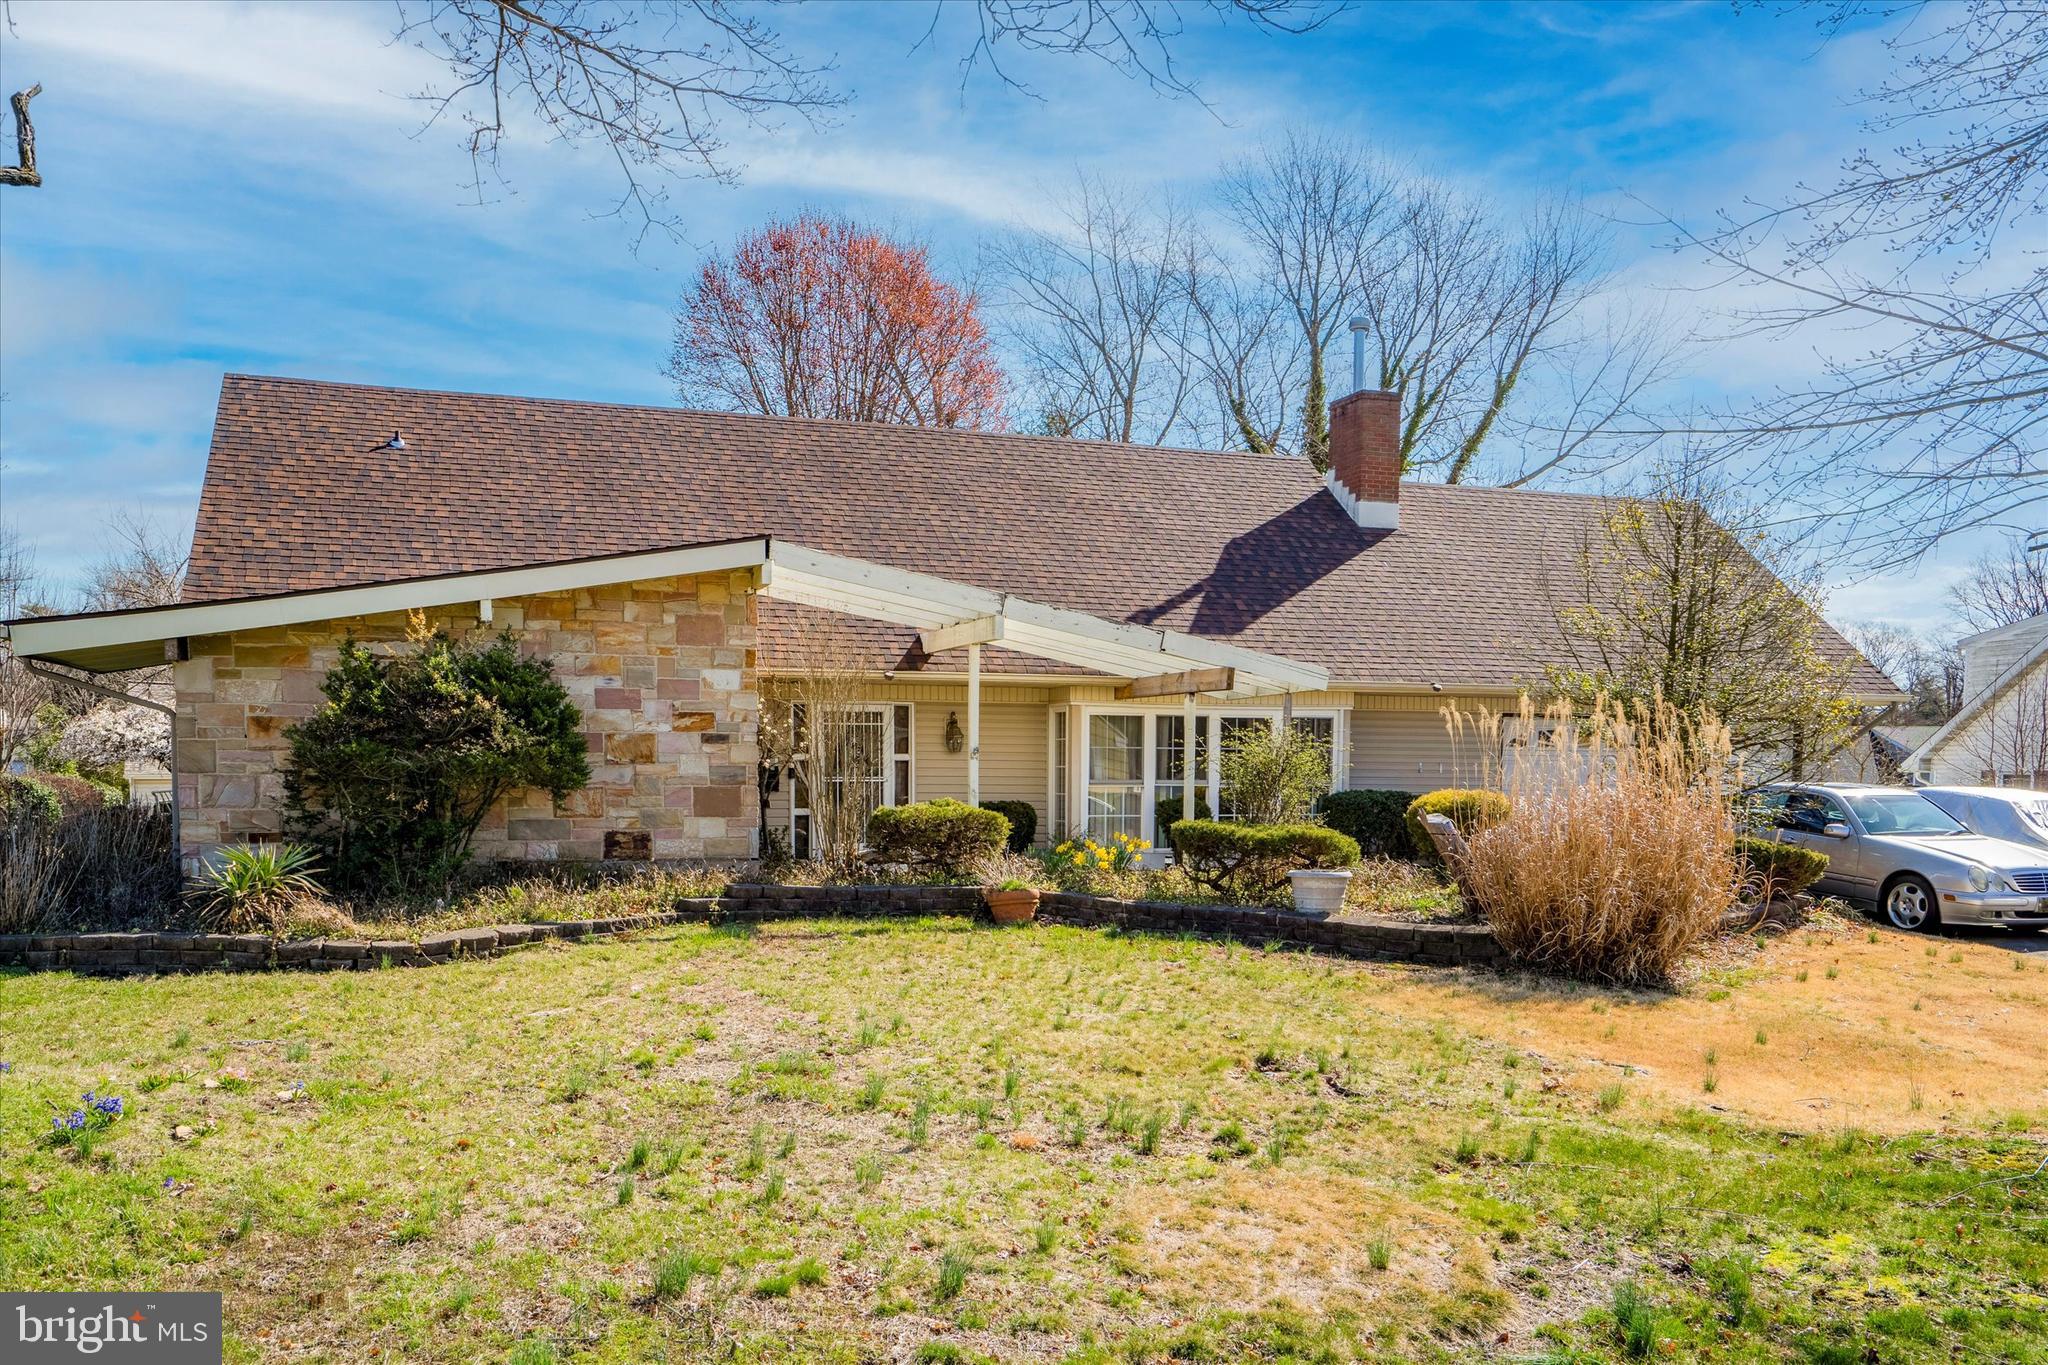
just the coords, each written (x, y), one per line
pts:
(1909, 904)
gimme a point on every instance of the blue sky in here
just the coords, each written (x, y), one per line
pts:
(248, 187)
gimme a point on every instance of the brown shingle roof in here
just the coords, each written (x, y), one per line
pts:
(301, 492)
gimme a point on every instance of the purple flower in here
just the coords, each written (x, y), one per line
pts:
(71, 1122)
(6, 1067)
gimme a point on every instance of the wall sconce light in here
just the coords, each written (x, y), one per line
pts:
(955, 740)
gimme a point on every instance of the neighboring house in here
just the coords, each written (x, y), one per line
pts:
(1877, 755)
(1035, 619)
(149, 783)
(1999, 737)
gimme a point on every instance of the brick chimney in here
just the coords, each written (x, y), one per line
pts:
(1365, 457)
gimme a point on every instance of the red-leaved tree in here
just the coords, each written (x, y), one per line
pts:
(820, 317)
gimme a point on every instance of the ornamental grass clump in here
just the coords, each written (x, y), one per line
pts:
(1615, 857)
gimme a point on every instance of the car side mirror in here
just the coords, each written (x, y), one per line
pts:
(1835, 829)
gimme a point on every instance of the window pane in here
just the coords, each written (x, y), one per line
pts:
(902, 730)
(1322, 729)
(1170, 748)
(1113, 810)
(903, 782)
(1116, 748)
(800, 835)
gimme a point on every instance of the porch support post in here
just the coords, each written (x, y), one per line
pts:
(974, 725)
(1187, 761)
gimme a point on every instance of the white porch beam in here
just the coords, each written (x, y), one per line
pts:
(974, 725)
(982, 630)
(1186, 683)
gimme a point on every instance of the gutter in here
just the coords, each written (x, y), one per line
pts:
(177, 830)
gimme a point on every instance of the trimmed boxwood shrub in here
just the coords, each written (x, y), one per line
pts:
(940, 836)
(1376, 818)
(1777, 869)
(1166, 813)
(1469, 808)
(1023, 818)
(1249, 863)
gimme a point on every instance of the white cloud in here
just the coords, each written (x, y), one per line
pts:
(335, 58)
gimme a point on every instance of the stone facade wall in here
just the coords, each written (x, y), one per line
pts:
(662, 670)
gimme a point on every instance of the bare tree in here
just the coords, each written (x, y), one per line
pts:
(1248, 352)
(1932, 423)
(145, 568)
(1101, 313)
(1490, 329)
(1499, 333)
(22, 693)
(2003, 589)
(656, 82)
(820, 730)
(1920, 669)
(1310, 211)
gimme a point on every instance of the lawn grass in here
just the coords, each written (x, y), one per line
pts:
(935, 1140)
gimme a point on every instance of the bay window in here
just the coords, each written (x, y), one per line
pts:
(1135, 760)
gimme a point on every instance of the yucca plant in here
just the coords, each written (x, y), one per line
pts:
(250, 888)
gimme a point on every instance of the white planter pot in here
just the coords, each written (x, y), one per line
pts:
(1155, 859)
(1320, 892)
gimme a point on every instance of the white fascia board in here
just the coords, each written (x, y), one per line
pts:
(36, 638)
(960, 601)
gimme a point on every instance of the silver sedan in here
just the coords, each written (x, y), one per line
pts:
(1893, 846)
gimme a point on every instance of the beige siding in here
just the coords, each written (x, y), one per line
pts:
(1408, 751)
(1013, 754)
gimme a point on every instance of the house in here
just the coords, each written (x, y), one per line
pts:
(1999, 737)
(1031, 619)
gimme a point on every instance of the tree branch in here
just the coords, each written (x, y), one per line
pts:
(25, 172)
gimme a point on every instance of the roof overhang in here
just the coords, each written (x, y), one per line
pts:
(950, 614)
(111, 641)
(105, 642)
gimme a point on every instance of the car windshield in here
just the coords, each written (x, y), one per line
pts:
(2035, 814)
(1901, 813)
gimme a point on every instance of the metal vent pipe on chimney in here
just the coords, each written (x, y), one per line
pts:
(1358, 326)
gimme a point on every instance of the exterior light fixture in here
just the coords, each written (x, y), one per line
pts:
(955, 740)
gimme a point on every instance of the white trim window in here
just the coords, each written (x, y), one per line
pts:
(1061, 818)
(1134, 758)
(1117, 775)
(882, 735)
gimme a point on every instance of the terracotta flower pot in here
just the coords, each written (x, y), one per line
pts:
(1012, 907)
